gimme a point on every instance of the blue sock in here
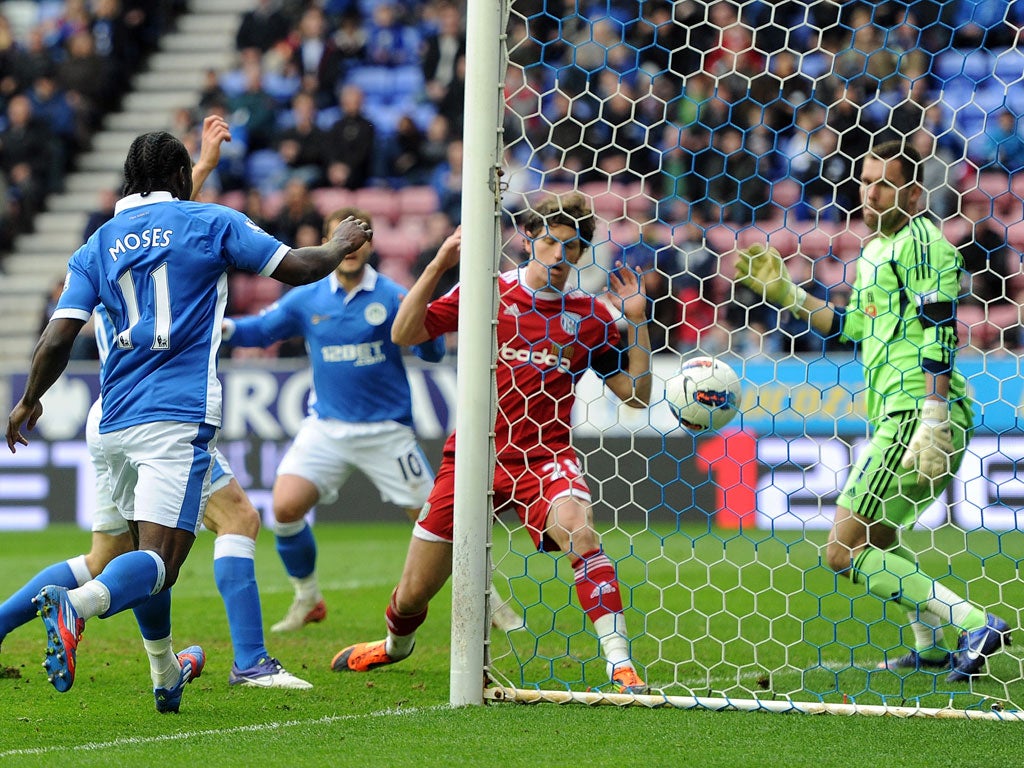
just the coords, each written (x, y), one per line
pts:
(234, 570)
(154, 616)
(131, 579)
(297, 551)
(19, 609)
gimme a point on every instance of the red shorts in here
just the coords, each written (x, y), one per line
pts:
(528, 488)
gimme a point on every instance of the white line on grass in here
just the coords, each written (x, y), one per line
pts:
(280, 589)
(97, 746)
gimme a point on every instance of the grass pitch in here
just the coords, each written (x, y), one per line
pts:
(755, 613)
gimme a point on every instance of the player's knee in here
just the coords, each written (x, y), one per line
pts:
(288, 511)
(839, 558)
(240, 519)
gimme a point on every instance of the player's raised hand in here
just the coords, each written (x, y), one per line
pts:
(626, 289)
(215, 133)
(22, 415)
(449, 253)
(352, 233)
(761, 269)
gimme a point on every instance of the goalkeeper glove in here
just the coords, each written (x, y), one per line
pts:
(931, 447)
(760, 268)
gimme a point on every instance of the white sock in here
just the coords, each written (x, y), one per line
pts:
(927, 629)
(950, 608)
(163, 664)
(79, 569)
(399, 646)
(307, 588)
(611, 631)
(91, 599)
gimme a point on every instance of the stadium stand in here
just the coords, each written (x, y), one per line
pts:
(737, 155)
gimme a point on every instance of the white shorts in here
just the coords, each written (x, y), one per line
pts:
(326, 451)
(106, 518)
(160, 472)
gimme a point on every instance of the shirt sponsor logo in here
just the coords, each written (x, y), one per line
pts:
(367, 353)
(542, 358)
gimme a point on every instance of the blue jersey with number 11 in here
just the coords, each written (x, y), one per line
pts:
(159, 268)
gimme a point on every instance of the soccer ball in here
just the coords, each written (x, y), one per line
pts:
(705, 394)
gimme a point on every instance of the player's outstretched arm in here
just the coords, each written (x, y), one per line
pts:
(409, 328)
(632, 386)
(53, 350)
(761, 269)
(215, 132)
(301, 266)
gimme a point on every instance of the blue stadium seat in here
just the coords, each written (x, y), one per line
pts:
(1009, 66)
(264, 168)
(973, 65)
(376, 83)
(408, 82)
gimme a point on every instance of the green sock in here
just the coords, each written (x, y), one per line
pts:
(891, 576)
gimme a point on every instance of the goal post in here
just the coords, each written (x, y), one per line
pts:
(474, 416)
(696, 128)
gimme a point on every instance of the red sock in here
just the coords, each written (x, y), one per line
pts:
(596, 585)
(399, 624)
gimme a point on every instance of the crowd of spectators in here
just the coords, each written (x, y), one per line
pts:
(703, 118)
(58, 78)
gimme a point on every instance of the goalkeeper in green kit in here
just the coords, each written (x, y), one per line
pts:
(902, 315)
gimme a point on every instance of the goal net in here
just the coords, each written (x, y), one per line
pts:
(695, 128)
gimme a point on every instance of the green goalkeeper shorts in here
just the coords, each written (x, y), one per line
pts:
(880, 489)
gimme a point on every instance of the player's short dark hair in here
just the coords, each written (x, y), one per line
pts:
(571, 210)
(155, 162)
(336, 217)
(905, 155)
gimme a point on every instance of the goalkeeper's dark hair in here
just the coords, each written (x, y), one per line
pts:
(571, 210)
(908, 158)
(158, 161)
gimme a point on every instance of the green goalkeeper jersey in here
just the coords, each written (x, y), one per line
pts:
(902, 316)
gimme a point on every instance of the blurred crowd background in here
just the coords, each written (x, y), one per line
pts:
(691, 124)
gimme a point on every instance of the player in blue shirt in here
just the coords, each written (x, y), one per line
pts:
(360, 407)
(159, 268)
(229, 514)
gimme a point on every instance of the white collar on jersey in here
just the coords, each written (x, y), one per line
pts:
(547, 294)
(368, 283)
(134, 201)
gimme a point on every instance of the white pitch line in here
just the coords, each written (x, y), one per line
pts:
(97, 746)
(275, 588)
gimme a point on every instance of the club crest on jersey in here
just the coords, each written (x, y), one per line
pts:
(317, 319)
(375, 314)
(571, 323)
